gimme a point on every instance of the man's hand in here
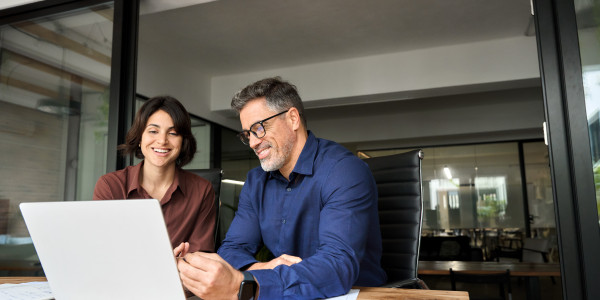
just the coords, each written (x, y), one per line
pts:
(284, 259)
(208, 276)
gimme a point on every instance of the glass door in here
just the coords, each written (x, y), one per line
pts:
(588, 29)
(55, 72)
(565, 32)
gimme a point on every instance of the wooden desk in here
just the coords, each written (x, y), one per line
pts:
(407, 294)
(531, 271)
(365, 293)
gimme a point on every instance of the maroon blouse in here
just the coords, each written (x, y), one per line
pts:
(188, 205)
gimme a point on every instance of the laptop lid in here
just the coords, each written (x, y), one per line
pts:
(113, 249)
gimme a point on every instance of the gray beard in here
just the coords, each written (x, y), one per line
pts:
(275, 163)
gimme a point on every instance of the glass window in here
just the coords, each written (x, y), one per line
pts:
(477, 190)
(236, 160)
(589, 45)
(54, 90)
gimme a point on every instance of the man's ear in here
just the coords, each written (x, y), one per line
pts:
(295, 118)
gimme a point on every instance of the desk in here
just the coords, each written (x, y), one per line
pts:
(365, 292)
(407, 294)
(531, 271)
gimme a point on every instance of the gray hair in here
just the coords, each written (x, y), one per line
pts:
(280, 95)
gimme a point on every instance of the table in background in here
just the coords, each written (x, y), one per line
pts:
(531, 271)
(365, 292)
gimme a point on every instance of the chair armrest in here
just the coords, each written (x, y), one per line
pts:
(413, 283)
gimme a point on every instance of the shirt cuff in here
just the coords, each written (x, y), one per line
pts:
(269, 284)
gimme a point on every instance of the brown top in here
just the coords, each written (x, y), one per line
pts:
(188, 205)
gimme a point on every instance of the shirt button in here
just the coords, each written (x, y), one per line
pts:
(289, 189)
(283, 221)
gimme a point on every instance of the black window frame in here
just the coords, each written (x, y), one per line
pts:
(569, 147)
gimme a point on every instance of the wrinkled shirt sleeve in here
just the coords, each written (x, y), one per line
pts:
(243, 238)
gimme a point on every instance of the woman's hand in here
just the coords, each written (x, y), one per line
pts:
(181, 250)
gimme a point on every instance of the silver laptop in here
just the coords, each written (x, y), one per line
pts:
(116, 249)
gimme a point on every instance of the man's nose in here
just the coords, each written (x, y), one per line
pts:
(253, 141)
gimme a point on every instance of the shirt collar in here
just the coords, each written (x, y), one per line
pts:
(305, 162)
(133, 179)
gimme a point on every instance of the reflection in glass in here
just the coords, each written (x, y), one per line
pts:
(54, 87)
(588, 30)
(485, 189)
(484, 198)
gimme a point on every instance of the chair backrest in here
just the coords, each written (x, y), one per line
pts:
(213, 175)
(399, 187)
(445, 248)
(535, 250)
(502, 279)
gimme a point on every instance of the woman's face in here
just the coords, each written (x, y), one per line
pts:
(160, 143)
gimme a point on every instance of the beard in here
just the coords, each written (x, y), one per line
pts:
(278, 156)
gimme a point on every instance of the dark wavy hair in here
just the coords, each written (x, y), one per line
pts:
(181, 120)
(280, 95)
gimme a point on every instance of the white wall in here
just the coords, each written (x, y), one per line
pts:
(159, 74)
(473, 64)
(471, 118)
(469, 91)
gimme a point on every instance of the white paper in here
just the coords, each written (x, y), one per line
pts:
(352, 295)
(26, 291)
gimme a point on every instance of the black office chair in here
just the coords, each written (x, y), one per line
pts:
(399, 187)
(214, 176)
(477, 284)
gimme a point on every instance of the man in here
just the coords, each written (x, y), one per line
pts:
(312, 204)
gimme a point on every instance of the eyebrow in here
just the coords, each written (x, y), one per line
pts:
(156, 125)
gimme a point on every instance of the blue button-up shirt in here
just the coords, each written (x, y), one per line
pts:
(325, 214)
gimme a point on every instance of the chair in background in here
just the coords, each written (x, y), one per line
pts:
(399, 187)
(447, 248)
(536, 250)
(213, 175)
(533, 250)
(504, 254)
(477, 284)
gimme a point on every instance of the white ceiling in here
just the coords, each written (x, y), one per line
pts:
(237, 36)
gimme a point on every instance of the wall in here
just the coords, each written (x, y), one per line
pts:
(402, 75)
(162, 75)
(469, 92)
(470, 118)
(33, 164)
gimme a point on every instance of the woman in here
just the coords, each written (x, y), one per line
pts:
(161, 135)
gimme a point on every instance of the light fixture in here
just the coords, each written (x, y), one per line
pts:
(447, 172)
(62, 104)
(231, 181)
(59, 106)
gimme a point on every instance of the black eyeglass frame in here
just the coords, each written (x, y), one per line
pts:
(244, 135)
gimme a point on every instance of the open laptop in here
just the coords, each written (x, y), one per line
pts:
(115, 249)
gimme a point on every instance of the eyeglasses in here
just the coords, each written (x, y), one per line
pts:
(257, 129)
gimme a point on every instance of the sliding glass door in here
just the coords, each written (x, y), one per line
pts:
(56, 74)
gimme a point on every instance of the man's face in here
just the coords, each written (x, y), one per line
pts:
(274, 149)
